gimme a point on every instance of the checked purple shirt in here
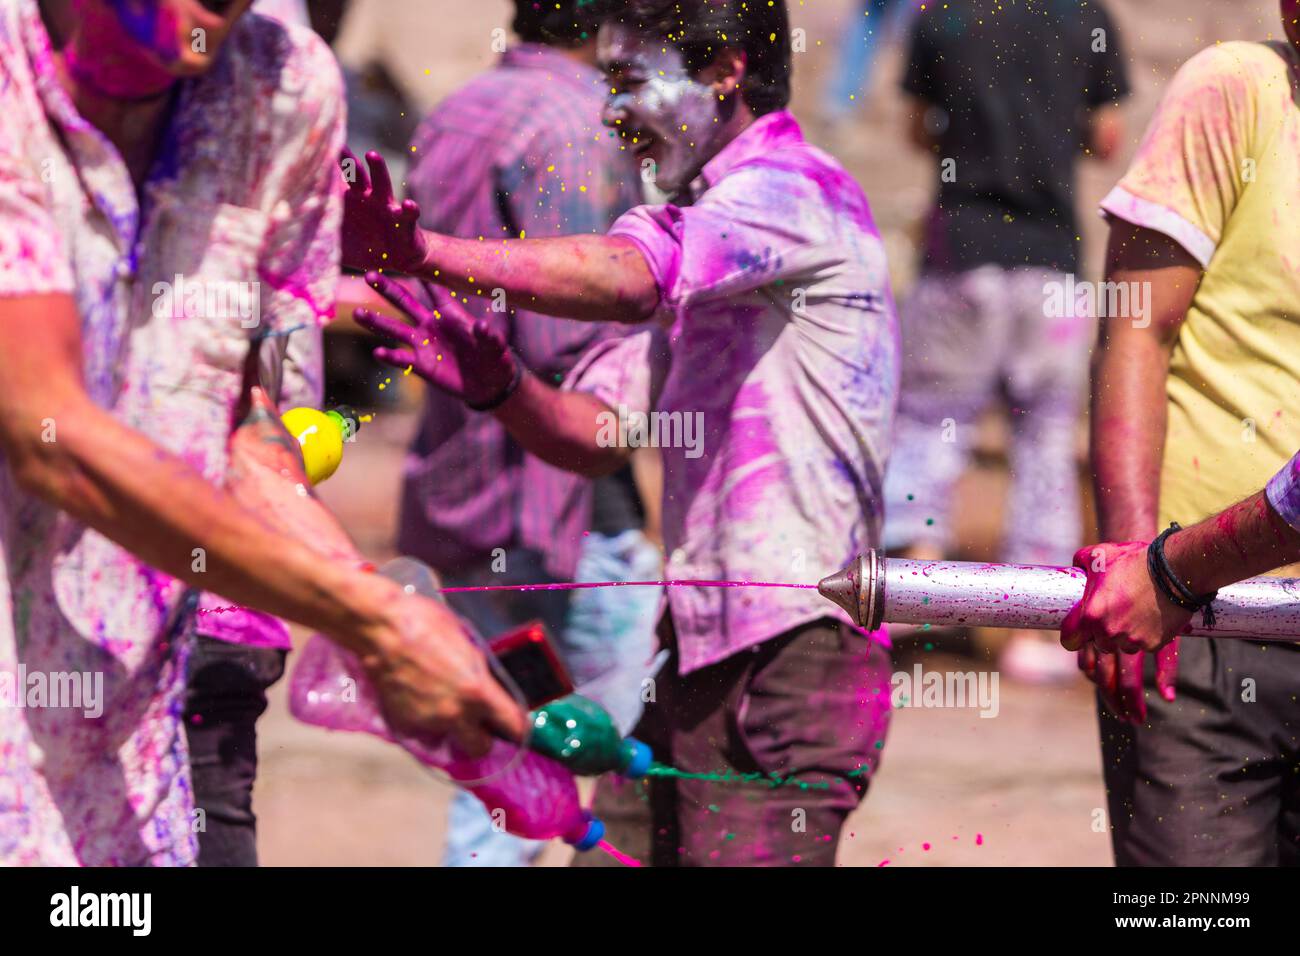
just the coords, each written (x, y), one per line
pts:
(517, 151)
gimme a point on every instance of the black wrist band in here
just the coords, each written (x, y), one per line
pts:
(505, 393)
(1163, 576)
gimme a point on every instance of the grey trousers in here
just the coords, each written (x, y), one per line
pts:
(1213, 778)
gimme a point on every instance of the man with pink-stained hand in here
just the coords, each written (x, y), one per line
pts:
(1196, 406)
(1137, 600)
(131, 160)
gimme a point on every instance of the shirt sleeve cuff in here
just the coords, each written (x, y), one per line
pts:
(1283, 492)
(655, 231)
(1122, 204)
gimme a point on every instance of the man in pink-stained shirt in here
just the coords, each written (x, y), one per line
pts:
(765, 369)
(169, 212)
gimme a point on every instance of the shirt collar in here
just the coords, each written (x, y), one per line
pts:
(767, 133)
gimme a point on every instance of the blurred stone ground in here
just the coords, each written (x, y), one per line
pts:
(1026, 781)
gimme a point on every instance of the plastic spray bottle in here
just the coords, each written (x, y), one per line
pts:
(321, 435)
(537, 796)
(580, 734)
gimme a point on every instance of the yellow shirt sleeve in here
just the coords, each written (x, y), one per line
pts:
(1196, 157)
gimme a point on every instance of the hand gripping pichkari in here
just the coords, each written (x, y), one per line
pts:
(875, 590)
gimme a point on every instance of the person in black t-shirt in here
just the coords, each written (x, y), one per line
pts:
(1007, 95)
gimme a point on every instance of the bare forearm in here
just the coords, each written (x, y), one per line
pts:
(1129, 405)
(561, 428)
(118, 482)
(1128, 438)
(1247, 539)
(593, 278)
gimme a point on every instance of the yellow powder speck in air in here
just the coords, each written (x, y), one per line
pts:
(439, 356)
(426, 71)
(523, 234)
(550, 168)
(407, 370)
(582, 189)
(367, 418)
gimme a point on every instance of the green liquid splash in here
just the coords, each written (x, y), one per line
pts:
(770, 780)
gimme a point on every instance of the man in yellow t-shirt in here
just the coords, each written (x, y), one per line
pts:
(1196, 404)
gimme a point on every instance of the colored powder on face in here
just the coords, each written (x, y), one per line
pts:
(112, 55)
(618, 854)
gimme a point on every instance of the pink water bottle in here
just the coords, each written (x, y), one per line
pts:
(532, 796)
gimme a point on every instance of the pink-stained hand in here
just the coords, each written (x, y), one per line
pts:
(444, 345)
(1122, 611)
(378, 232)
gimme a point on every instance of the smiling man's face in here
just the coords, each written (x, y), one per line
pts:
(660, 111)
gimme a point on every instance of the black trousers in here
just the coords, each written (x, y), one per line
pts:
(225, 695)
(1212, 779)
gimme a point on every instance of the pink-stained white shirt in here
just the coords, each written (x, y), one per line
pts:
(245, 192)
(777, 330)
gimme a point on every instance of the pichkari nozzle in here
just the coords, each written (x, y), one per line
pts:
(859, 588)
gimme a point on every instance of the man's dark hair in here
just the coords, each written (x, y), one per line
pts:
(701, 28)
(553, 22)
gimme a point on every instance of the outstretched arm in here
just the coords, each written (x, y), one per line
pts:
(1247, 539)
(469, 361)
(592, 278)
(64, 449)
(1123, 610)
